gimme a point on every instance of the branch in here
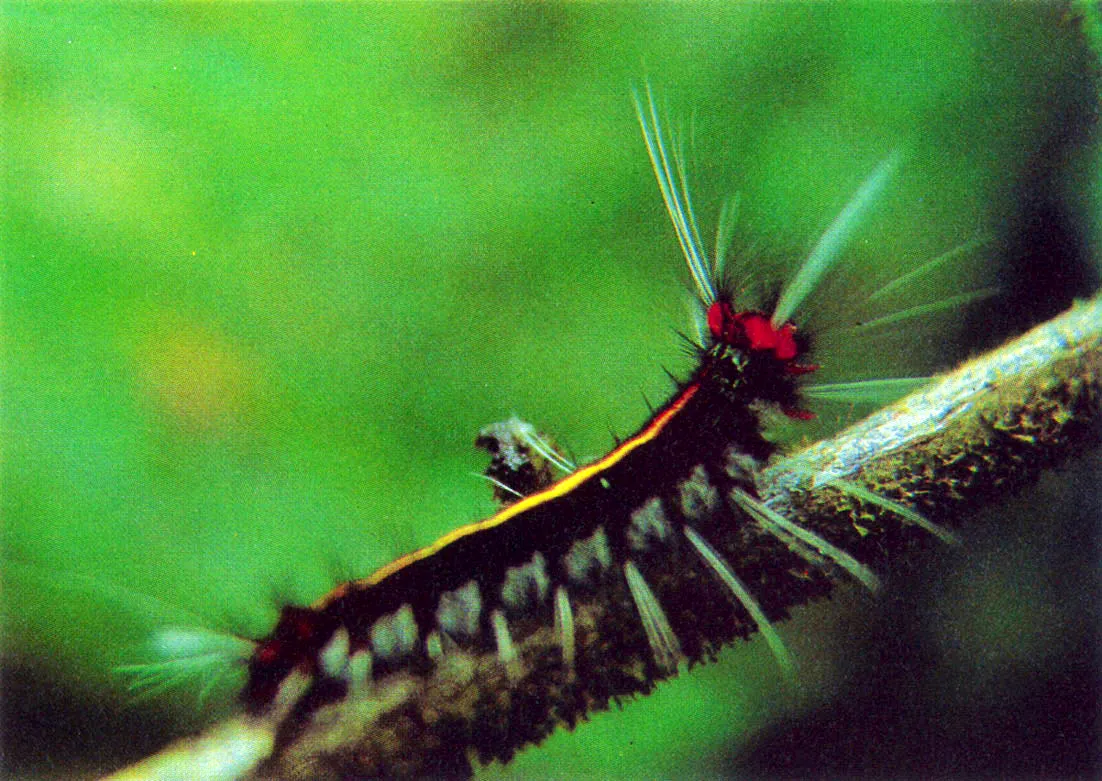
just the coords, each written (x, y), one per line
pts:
(993, 424)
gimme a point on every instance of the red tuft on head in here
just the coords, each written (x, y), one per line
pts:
(751, 330)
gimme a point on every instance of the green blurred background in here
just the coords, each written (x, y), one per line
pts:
(269, 268)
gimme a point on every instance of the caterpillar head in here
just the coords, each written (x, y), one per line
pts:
(753, 331)
(756, 359)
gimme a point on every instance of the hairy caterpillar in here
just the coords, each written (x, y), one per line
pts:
(980, 88)
(640, 529)
(624, 559)
(622, 530)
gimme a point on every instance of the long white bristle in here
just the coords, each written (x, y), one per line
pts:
(797, 546)
(675, 193)
(728, 577)
(663, 642)
(564, 625)
(681, 168)
(770, 519)
(698, 316)
(532, 438)
(188, 654)
(725, 233)
(864, 494)
(499, 484)
(880, 391)
(832, 242)
(928, 267)
(150, 608)
(506, 650)
(952, 302)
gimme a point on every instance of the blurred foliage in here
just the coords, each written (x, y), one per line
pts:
(269, 268)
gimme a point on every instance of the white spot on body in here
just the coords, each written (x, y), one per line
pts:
(648, 524)
(291, 689)
(740, 466)
(699, 498)
(433, 646)
(358, 671)
(458, 611)
(334, 655)
(395, 634)
(588, 556)
(527, 582)
(509, 436)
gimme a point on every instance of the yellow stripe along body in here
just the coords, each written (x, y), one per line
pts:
(561, 488)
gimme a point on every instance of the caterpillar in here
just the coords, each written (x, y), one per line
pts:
(624, 562)
(640, 531)
(986, 92)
